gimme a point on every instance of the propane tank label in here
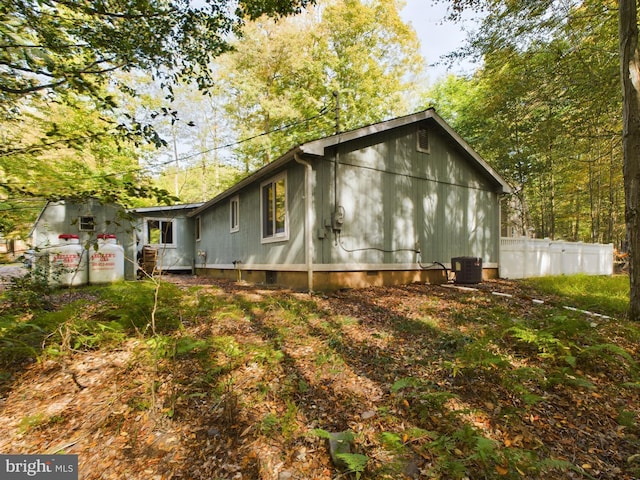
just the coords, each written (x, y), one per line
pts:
(103, 261)
(66, 259)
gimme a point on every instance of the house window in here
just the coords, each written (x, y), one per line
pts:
(274, 209)
(87, 224)
(159, 232)
(423, 138)
(198, 227)
(234, 214)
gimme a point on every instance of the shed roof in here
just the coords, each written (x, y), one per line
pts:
(167, 208)
(316, 148)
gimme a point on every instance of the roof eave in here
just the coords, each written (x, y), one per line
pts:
(318, 147)
(185, 206)
(254, 177)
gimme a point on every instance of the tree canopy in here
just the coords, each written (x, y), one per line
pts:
(544, 110)
(284, 77)
(64, 131)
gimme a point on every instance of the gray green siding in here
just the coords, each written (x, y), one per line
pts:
(181, 254)
(223, 247)
(397, 199)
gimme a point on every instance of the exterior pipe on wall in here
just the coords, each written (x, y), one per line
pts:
(308, 202)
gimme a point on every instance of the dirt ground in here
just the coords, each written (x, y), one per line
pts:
(293, 365)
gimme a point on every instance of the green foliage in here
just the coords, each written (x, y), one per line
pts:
(392, 441)
(269, 424)
(267, 355)
(482, 423)
(283, 73)
(319, 432)
(173, 39)
(121, 310)
(162, 346)
(339, 448)
(67, 79)
(600, 294)
(627, 418)
(188, 346)
(29, 422)
(524, 381)
(607, 357)
(545, 118)
(228, 346)
(139, 298)
(479, 356)
(545, 343)
(403, 383)
(30, 291)
(355, 462)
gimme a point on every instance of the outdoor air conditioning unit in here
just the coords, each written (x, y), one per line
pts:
(467, 269)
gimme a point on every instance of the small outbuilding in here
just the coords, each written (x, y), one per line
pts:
(388, 203)
(87, 218)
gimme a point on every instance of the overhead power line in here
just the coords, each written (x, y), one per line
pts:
(322, 112)
(244, 140)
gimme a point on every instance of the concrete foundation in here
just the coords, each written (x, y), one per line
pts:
(331, 281)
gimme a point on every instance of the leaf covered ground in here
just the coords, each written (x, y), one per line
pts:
(230, 381)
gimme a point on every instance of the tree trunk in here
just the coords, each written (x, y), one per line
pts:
(612, 197)
(630, 74)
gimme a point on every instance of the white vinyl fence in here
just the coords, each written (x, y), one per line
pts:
(527, 257)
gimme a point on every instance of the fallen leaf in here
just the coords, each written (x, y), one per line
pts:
(502, 470)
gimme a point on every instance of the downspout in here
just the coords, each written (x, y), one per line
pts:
(308, 203)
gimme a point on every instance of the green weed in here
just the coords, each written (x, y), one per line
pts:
(600, 294)
(188, 346)
(355, 463)
(606, 357)
(30, 422)
(479, 357)
(29, 292)
(139, 299)
(269, 424)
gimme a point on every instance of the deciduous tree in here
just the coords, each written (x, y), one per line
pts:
(60, 55)
(283, 73)
(532, 23)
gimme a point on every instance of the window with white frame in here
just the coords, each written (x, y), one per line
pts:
(273, 209)
(234, 214)
(198, 227)
(160, 232)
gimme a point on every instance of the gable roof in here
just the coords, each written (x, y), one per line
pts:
(317, 148)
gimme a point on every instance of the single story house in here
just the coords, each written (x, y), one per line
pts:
(388, 203)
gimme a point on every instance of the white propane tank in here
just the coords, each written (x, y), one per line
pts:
(106, 264)
(68, 262)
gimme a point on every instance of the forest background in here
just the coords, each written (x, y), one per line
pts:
(84, 110)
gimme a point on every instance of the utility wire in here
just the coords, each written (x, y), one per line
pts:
(322, 112)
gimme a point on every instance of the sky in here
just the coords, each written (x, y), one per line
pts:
(437, 36)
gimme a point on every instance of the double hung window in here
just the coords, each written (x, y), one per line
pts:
(273, 209)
